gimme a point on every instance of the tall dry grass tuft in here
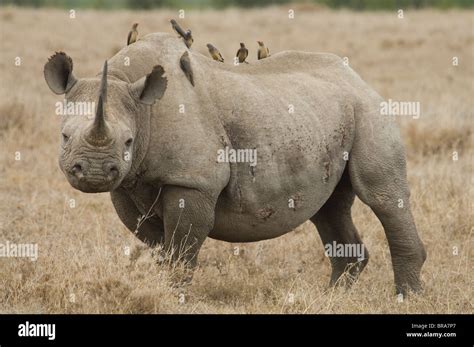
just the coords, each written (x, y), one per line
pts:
(13, 115)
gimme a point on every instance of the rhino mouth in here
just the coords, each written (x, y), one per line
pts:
(92, 178)
(93, 184)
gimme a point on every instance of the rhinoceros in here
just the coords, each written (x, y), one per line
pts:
(165, 114)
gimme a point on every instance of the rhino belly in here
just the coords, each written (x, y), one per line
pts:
(253, 209)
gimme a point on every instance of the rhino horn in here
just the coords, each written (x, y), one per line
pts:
(98, 132)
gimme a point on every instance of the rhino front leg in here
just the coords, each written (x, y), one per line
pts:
(150, 231)
(188, 216)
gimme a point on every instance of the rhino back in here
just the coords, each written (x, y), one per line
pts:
(138, 59)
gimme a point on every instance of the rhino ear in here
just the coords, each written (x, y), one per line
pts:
(152, 87)
(58, 73)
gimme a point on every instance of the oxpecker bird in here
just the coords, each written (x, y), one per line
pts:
(185, 35)
(263, 51)
(214, 52)
(188, 39)
(185, 64)
(242, 53)
(132, 35)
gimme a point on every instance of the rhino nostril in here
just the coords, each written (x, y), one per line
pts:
(77, 168)
(111, 170)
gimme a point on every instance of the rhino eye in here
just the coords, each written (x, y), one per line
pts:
(65, 137)
(129, 142)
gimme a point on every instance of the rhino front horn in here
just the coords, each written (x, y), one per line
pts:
(98, 133)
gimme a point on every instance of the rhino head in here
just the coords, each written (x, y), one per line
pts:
(97, 150)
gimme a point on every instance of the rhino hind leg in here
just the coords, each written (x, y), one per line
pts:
(377, 170)
(336, 228)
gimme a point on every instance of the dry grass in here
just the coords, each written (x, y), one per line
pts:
(81, 249)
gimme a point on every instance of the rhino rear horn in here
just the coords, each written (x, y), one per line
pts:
(152, 87)
(58, 73)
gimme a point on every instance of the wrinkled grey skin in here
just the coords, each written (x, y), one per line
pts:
(334, 146)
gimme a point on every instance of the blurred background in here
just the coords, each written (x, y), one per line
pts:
(147, 4)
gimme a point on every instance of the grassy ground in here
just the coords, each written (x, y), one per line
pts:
(83, 264)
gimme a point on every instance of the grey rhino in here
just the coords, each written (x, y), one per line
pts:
(316, 126)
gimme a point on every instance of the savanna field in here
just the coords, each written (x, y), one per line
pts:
(90, 263)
